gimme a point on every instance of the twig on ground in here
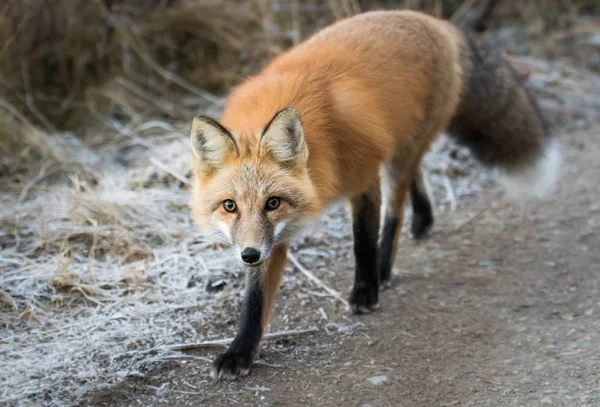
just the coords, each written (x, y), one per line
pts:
(176, 356)
(450, 194)
(262, 362)
(312, 277)
(221, 342)
(403, 333)
(469, 220)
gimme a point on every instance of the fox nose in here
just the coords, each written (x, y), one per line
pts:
(250, 255)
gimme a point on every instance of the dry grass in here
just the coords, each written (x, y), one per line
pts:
(64, 68)
(98, 254)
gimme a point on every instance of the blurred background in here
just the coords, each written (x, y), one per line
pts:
(98, 256)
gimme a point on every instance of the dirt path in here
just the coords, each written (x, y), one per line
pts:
(499, 307)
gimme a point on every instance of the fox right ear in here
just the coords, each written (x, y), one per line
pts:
(211, 142)
(283, 138)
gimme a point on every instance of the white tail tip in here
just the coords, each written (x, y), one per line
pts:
(536, 179)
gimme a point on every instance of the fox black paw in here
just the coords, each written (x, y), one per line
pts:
(364, 299)
(230, 366)
(421, 225)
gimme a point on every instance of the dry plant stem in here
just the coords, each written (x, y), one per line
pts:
(31, 183)
(333, 6)
(295, 8)
(162, 105)
(31, 105)
(15, 112)
(461, 10)
(312, 277)
(171, 77)
(171, 171)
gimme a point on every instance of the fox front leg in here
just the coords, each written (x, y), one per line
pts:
(261, 285)
(364, 297)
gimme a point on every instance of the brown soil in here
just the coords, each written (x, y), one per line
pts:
(498, 307)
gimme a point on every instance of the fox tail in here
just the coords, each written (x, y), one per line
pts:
(499, 120)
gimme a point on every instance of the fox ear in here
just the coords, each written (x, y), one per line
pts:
(211, 142)
(283, 137)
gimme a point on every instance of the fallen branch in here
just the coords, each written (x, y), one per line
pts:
(219, 342)
(312, 277)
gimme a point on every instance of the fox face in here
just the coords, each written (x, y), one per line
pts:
(254, 192)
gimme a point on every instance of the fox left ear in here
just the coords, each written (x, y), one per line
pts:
(283, 137)
(211, 142)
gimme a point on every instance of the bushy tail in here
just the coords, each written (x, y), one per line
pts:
(499, 120)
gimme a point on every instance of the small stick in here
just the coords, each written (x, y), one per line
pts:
(466, 222)
(450, 194)
(311, 276)
(221, 342)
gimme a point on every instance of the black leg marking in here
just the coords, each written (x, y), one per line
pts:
(422, 218)
(388, 236)
(364, 297)
(238, 358)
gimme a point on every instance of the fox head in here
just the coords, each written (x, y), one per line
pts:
(254, 191)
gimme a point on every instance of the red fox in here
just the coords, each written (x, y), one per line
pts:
(347, 115)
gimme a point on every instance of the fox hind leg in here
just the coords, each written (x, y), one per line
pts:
(396, 183)
(422, 208)
(365, 209)
(394, 191)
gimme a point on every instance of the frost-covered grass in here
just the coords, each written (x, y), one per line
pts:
(97, 258)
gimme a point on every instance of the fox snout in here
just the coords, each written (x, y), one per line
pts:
(252, 241)
(250, 256)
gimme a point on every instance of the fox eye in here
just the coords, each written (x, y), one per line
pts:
(229, 206)
(273, 203)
